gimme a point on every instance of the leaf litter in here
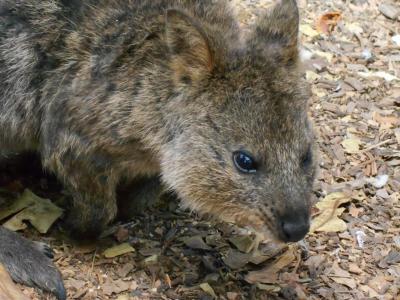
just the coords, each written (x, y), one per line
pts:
(41, 213)
(352, 59)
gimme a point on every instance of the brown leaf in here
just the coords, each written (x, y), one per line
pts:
(243, 243)
(389, 11)
(232, 296)
(196, 242)
(328, 21)
(354, 83)
(379, 284)
(125, 269)
(74, 284)
(122, 234)
(327, 220)
(385, 121)
(115, 287)
(349, 282)
(353, 268)
(342, 276)
(393, 257)
(355, 211)
(236, 259)
(270, 273)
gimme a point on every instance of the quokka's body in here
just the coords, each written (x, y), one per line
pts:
(113, 90)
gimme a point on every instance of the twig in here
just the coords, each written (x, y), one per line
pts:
(92, 265)
(375, 146)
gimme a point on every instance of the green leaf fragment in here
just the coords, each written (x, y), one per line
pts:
(118, 250)
(40, 212)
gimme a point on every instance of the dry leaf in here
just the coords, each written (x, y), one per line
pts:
(115, 287)
(359, 195)
(351, 145)
(350, 282)
(41, 213)
(333, 200)
(268, 287)
(151, 260)
(355, 211)
(379, 74)
(379, 284)
(270, 273)
(118, 250)
(168, 281)
(244, 243)
(353, 268)
(196, 242)
(389, 11)
(235, 259)
(327, 55)
(75, 284)
(342, 276)
(123, 297)
(328, 21)
(124, 270)
(369, 291)
(329, 223)
(208, 289)
(122, 234)
(338, 271)
(355, 28)
(386, 122)
(312, 76)
(27, 199)
(327, 220)
(308, 30)
(233, 296)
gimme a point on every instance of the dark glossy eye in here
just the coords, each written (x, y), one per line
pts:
(244, 162)
(307, 159)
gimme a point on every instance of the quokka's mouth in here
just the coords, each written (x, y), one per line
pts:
(259, 224)
(257, 221)
(288, 227)
(265, 234)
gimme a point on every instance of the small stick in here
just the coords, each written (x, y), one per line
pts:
(374, 146)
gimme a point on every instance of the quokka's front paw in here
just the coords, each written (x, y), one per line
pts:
(30, 263)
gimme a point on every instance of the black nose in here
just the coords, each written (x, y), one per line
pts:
(294, 228)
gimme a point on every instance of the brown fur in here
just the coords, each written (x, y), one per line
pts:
(114, 89)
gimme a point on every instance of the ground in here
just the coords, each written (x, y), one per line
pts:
(351, 51)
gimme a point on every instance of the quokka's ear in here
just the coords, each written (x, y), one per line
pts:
(189, 47)
(277, 32)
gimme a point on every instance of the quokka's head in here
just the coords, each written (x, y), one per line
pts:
(242, 144)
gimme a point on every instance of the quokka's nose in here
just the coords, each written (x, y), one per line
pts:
(294, 227)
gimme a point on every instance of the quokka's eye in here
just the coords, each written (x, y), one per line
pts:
(307, 158)
(244, 162)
